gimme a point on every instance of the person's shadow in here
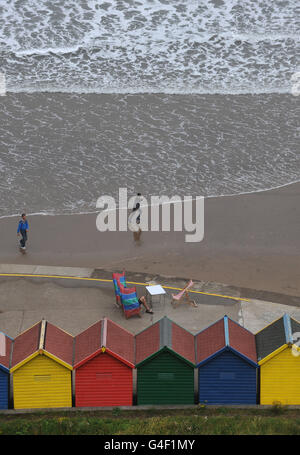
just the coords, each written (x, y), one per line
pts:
(137, 237)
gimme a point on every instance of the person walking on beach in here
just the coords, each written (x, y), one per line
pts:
(137, 206)
(22, 230)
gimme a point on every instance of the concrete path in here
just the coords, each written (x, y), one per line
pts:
(58, 295)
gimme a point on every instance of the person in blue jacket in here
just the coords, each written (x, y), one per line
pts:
(22, 230)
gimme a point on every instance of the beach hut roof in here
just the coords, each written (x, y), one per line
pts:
(58, 344)
(5, 348)
(165, 334)
(223, 335)
(87, 343)
(26, 344)
(103, 336)
(43, 338)
(276, 336)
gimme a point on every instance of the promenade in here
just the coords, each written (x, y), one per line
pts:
(75, 298)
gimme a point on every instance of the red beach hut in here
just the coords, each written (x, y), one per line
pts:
(104, 361)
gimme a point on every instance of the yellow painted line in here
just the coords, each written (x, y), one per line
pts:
(53, 276)
(110, 281)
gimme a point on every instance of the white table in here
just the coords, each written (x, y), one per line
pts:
(155, 290)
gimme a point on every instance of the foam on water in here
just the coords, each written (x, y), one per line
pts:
(155, 46)
(59, 153)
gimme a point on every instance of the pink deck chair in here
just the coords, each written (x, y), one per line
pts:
(183, 296)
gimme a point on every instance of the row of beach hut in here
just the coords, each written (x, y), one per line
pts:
(106, 365)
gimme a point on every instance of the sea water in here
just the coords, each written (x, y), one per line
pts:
(159, 96)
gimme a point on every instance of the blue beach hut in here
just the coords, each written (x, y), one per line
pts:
(227, 364)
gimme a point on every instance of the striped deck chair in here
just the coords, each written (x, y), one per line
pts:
(118, 278)
(183, 296)
(129, 301)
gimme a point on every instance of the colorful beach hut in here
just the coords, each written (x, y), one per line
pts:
(227, 363)
(279, 359)
(104, 363)
(41, 364)
(5, 351)
(165, 363)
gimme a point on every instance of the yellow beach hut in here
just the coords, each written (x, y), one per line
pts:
(279, 359)
(42, 358)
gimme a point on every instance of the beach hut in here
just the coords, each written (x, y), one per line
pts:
(165, 363)
(5, 351)
(279, 359)
(41, 365)
(227, 364)
(103, 364)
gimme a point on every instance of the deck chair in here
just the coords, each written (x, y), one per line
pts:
(183, 296)
(129, 301)
(118, 278)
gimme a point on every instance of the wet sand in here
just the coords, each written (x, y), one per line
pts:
(251, 241)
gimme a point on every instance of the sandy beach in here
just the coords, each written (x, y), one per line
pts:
(250, 240)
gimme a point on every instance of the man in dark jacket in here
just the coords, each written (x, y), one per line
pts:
(22, 230)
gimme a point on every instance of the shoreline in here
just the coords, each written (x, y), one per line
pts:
(250, 240)
(205, 197)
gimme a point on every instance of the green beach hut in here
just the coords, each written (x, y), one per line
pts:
(165, 363)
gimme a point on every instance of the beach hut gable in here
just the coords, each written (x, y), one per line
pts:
(276, 337)
(88, 358)
(116, 356)
(231, 349)
(4, 369)
(225, 334)
(242, 356)
(104, 337)
(273, 354)
(165, 335)
(23, 362)
(56, 359)
(161, 350)
(53, 349)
